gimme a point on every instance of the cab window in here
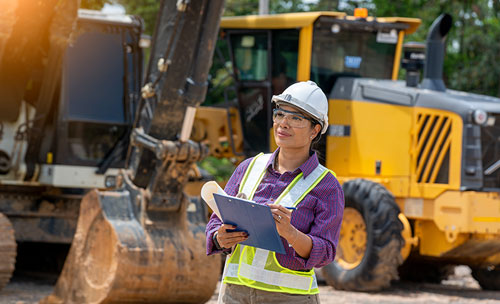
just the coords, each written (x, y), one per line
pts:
(285, 49)
(341, 50)
(251, 56)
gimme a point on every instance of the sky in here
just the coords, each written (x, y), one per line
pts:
(113, 9)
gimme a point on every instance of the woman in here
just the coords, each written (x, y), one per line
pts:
(289, 177)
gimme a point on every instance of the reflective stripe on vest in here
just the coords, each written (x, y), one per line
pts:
(255, 172)
(259, 268)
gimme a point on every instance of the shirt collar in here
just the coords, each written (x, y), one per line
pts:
(306, 168)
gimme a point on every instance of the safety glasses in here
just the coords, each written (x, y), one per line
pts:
(294, 119)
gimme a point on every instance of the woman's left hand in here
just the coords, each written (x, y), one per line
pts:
(282, 217)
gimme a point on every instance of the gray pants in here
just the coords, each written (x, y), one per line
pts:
(239, 294)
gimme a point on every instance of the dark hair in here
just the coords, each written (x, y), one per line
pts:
(318, 145)
(316, 139)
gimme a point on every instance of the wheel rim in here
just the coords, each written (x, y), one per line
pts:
(352, 242)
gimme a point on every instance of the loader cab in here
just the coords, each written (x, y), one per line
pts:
(268, 53)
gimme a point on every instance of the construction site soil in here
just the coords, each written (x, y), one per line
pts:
(458, 288)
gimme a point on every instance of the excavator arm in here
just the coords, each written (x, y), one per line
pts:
(140, 243)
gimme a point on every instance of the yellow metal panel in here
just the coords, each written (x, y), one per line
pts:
(337, 156)
(474, 212)
(430, 147)
(305, 49)
(432, 241)
(414, 23)
(378, 132)
(424, 133)
(278, 21)
(427, 190)
(398, 186)
(298, 20)
(416, 208)
(397, 57)
(430, 166)
(456, 151)
(439, 161)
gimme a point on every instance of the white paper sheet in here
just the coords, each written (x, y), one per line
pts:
(207, 193)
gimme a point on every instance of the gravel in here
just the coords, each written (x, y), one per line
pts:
(457, 289)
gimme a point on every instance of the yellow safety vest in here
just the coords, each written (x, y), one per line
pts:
(259, 268)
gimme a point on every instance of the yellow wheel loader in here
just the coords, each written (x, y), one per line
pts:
(419, 163)
(92, 156)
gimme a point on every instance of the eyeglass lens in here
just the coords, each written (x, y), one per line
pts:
(294, 120)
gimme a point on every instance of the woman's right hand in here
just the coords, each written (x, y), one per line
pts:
(228, 239)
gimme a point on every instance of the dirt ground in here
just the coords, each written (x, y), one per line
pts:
(458, 288)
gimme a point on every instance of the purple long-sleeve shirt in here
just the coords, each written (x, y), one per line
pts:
(319, 214)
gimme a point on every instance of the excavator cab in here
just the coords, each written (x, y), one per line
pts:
(71, 119)
(268, 53)
(96, 112)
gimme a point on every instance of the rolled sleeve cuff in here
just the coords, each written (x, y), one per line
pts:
(319, 254)
(211, 249)
(210, 243)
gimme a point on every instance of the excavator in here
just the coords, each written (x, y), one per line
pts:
(96, 154)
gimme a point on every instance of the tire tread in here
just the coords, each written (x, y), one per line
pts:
(384, 241)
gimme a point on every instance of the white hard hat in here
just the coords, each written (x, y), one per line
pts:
(307, 96)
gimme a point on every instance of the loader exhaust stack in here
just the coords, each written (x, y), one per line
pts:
(433, 69)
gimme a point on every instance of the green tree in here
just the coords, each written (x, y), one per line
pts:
(93, 4)
(472, 47)
(241, 7)
(287, 6)
(147, 9)
(326, 5)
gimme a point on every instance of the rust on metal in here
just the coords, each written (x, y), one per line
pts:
(8, 251)
(115, 258)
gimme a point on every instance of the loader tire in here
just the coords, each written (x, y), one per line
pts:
(369, 250)
(424, 271)
(488, 278)
(8, 250)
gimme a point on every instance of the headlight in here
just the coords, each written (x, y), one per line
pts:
(480, 117)
(335, 28)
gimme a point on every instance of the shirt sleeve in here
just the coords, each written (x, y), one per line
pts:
(231, 188)
(325, 229)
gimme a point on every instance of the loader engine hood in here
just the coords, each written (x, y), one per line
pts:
(396, 92)
(480, 170)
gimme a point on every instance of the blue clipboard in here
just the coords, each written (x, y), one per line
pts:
(252, 218)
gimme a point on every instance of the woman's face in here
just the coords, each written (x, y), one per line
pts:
(292, 137)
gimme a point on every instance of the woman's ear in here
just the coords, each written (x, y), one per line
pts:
(315, 130)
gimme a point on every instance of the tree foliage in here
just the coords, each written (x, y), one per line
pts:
(93, 4)
(473, 52)
(147, 9)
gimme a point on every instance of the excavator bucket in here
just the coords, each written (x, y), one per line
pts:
(116, 259)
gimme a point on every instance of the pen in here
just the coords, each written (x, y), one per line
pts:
(291, 208)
